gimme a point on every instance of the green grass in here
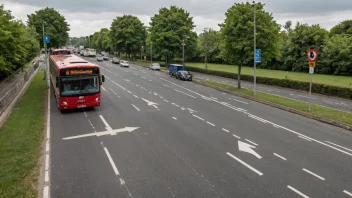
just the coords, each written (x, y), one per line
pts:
(342, 81)
(332, 114)
(20, 140)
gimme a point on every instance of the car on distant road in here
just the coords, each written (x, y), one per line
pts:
(155, 66)
(184, 75)
(106, 57)
(100, 58)
(115, 60)
(124, 64)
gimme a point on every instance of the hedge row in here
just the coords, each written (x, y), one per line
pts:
(330, 90)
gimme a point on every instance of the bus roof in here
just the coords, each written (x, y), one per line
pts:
(65, 61)
(60, 50)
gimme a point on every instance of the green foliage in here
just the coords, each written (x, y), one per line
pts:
(237, 35)
(344, 27)
(101, 40)
(17, 42)
(128, 34)
(208, 45)
(168, 29)
(338, 55)
(55, 26)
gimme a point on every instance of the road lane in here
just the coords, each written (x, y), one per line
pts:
(188, 157)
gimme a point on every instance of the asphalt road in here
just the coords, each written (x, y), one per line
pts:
(327, 101)
(155, 136)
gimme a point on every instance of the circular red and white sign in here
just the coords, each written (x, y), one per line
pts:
(312, 55)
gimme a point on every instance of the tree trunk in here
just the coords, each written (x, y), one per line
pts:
(239, 76)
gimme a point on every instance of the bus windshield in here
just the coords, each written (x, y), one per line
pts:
(79, 85)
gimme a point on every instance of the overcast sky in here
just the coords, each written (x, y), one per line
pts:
(88, 16)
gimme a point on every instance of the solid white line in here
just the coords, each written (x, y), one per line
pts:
(277, 155)
(328, 101)
(236, 136)
(135, 107)
(211, 124)
(185, 93)
(257, 118)
(166, 85)
(174, 118)
(339, 146)
(129, 91)
(226, 130)
(322, 178)
(111, 161)
(47, 158)
(239, 101)
(190, 109)
(296, 191)
(251, 142)
(306, 97)
(155, 106)
(135, 96)
(166, 100)
(46, 176)
(350, 194)
(304, 138)
(175, 104)
(245, 164)
(107, 126)
(198, 117)
(103, 88)
(46, 192)
(47, 146)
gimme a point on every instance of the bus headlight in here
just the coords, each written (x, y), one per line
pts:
(65, 103)
(97, 99)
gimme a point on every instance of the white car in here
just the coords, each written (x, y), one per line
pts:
(124, 64)
(155, 66)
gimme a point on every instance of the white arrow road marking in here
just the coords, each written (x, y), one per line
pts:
(245, 164)
(242, 146)
(149, 102)
(112, 132)
(350, 194)
(107, 126)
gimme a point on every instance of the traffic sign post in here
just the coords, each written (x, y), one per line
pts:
(257, 59)
(312, 56)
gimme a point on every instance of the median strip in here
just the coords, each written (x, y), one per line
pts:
(324, 114)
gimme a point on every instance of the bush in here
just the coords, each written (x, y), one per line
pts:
(342, 92)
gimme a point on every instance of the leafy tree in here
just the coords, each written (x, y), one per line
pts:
(55, 26)
(337, 55)
(101, 40)
(237, 35)
(299, 40)
(344, 27)
(128, 34)
(208, 45)
(168, 29)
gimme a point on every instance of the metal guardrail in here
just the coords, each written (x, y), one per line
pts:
(9, 96)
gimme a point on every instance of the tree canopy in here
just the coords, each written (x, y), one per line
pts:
(344, 27)
(55, 26)
(237, 35)
(128, 34)
(208, 44)
(169, 28)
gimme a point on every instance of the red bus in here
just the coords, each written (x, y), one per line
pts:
(61, 52)
(76, 81)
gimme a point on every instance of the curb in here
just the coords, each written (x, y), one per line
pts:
(308, 115)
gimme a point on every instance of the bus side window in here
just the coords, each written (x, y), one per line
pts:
(57, 81)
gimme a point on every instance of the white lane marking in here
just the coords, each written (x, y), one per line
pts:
(155, 93)
(185, 93)
(239, 100)
(137, 85)
(155, 106)
(46, 192)
(103, 88)
(47, 146)
(225, 130)
(198, 117)
(245, 164)
(143, 77)
(350, 194)
(339, 146)
(135, 96)
(85, 114)
(287, 129)
(306, 97)
(298, 192)
(166, 85)
(174, 118)
(150, 92)
(150, 80)
(251, 142)
(175, 104)
(166, 100)
(213, 98)
(279, 156)
(135, 107)
(328, 101)
(274, 125)
(107, 126)
(257, 118)
(310, 172)
(129, 91)
(190, 109)
(111, 161)
(224, 93)
(236, 136)
(303, 137)
(211, 124)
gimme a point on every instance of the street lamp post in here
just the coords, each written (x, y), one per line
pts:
(206, 48)
(255, 43)
(151, 52)
(45, 57)
(183, 50)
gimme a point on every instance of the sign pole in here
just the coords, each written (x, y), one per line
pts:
(312, 56)
(310, 89)
(255, 43)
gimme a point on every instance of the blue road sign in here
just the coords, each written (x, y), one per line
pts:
(47, 39)
(258, 54)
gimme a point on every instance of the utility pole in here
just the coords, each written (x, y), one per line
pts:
(206, 48)
(255, 43)
(183, 50)
(151, 53)
(45, 57)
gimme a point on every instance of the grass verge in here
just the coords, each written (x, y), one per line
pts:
(20, 140)
(324, 112)
(341, 81)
